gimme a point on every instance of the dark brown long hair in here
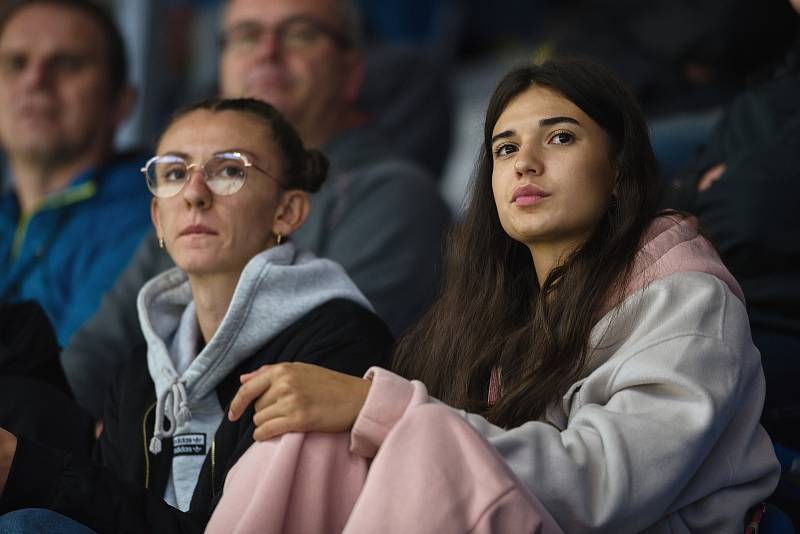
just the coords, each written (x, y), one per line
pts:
(492, 312)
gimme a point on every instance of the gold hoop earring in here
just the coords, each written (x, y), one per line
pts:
(278, 238)
(160, 242)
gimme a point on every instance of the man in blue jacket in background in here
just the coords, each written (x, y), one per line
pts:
(71, 210)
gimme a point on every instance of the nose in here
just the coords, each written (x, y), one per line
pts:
(269, 45)
(196, 193)
(528, 161)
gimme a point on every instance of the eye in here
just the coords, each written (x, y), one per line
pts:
(226, 168)
(300, 34)
(173, 173)
(562, 138)
(13, 63)
(232, 170)
(242, 37)
(504, 149)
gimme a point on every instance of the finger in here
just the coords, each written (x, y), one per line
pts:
(273, 428)
(710, 176)
(271, 396)
(267, 413)
(244, 377)
(247, 393)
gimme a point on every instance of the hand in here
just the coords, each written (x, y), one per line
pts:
(8, 447)
(299, 397)
(710, 176)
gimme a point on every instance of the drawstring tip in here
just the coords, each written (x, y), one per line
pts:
(184, 416)
(155, 445)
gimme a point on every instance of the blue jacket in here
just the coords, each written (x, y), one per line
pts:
(70, 250)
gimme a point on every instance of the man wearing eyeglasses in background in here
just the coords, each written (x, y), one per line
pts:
(71, 212)
(378, 215)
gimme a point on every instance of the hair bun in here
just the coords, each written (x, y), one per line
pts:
(316, 170)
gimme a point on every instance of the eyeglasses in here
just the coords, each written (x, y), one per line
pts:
(295, 33)
(224, 173)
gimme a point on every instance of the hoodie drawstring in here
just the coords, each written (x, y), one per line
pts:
(178, 415)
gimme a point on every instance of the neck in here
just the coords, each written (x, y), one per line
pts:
(35, 179)
(548, 256)
(212, 296)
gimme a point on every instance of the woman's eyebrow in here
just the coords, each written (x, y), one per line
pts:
(555, 120)
(177, 153)
(239, 150)
(502, 135)
(549, 121)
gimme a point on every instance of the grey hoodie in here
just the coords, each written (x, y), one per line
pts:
(277, 287)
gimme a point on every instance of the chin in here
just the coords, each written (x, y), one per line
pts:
(528, 233)
(197, 263)
(193, 268)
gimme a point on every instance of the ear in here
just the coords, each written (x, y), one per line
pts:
(354, 66)
(291, 213)
(126, 102)
(154, 217)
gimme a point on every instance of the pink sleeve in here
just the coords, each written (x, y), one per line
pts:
(389, 397)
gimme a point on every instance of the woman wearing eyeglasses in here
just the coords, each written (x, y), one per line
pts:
(230, 185)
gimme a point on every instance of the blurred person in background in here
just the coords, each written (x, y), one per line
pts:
(71, 210)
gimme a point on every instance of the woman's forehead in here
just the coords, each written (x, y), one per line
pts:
(537, 103)
(540, 108)
(204, 131)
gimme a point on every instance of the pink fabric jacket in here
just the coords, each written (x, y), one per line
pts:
(434, 474)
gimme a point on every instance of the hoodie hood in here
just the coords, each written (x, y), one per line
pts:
(276, 288)
(672, 244)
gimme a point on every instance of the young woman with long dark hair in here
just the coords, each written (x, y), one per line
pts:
(599, 346)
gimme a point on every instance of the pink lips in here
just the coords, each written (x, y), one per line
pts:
(528, 195)
(197, 229)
